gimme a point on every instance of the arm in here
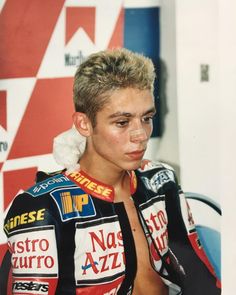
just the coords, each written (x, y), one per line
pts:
(31, 231)
(5, 272)
(185, 242)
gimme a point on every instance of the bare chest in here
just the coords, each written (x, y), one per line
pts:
(147, 281)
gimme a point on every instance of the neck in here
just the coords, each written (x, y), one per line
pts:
(105, 173)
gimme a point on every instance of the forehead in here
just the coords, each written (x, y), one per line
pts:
(129, 100)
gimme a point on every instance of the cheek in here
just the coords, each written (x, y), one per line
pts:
(117, 140)
(112, 140)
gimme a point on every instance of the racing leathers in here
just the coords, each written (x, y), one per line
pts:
(67, 236)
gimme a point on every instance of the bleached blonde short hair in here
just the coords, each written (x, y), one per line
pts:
(103, 72)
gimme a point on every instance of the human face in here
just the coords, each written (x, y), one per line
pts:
(113, 142)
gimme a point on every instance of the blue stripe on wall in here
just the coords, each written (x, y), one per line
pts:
(142, 34)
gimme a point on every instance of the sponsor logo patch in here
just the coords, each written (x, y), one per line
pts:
(24, 218)
(155, 216)
(49, 184)
(103, 259)
(34, 251)
(73, 203)
(92, 186)
(30, 287)
(158, 180)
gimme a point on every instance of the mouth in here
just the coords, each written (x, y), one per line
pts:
(136, 155)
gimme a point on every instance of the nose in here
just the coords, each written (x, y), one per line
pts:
(138, 135)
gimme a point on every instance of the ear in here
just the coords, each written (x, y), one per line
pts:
(82, 123)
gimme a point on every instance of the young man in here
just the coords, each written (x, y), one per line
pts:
(116, 224)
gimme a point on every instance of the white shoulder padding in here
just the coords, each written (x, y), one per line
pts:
(68, 148)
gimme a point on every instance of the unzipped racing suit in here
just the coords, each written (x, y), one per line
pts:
(67, 236)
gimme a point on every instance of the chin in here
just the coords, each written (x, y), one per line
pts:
(133, 165)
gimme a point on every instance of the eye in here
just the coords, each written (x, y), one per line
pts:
(122, 123)
(147, 119)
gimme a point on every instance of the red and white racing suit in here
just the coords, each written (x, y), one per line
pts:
(67, 236)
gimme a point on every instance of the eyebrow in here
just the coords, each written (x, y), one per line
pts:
(128, 115)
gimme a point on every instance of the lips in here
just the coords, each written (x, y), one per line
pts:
(136, 155)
